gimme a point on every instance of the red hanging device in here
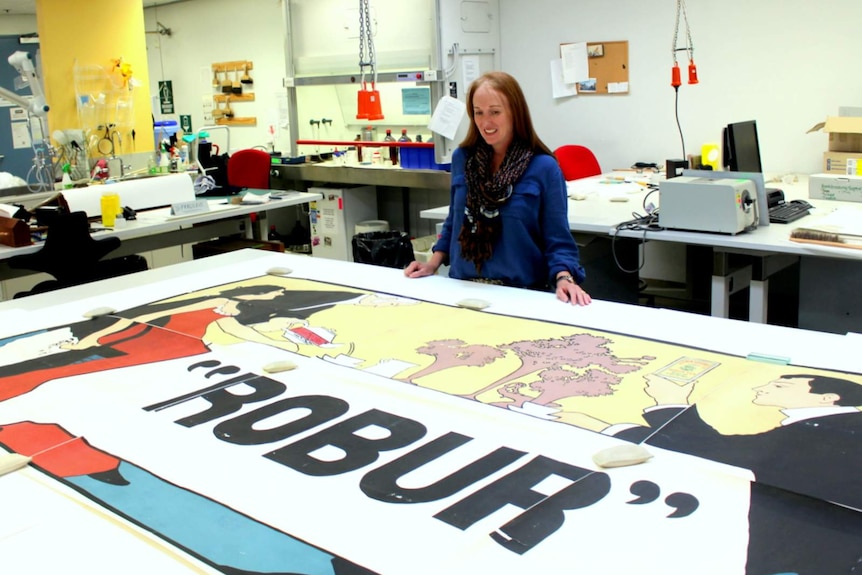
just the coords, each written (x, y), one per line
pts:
(676, 75)
(692, 72)
(368, 105)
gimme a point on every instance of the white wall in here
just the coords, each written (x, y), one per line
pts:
(788, 65)
(11, 24)
(785, 64)
(208, 31)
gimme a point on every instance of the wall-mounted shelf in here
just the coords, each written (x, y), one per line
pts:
(250, 121)
(222, 98)
(232, 80)
(232, 66)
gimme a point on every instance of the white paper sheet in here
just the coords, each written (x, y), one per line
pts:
(575, 62)
(447, 117)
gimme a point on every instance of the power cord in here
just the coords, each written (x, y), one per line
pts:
(676, 81)
(639, 222)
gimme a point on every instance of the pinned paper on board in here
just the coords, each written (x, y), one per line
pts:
(559, 87)
(574, 57)
(618, 87)
(597, 67)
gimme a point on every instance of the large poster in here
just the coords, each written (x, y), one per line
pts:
(289, 425)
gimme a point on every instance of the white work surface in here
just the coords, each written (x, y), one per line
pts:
(597, 214)
(157, 228)
(803, 347)
(331, 512)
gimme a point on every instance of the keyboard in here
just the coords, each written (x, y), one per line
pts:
(787, 212)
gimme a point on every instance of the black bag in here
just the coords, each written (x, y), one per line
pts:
(389, 249)
(215, 166)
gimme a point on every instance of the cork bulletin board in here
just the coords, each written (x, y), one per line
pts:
(609, 68)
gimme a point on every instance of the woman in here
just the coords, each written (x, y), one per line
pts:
(507, 220)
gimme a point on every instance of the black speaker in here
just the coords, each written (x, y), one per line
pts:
(674, 168)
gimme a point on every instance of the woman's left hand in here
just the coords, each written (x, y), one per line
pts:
(569, 291)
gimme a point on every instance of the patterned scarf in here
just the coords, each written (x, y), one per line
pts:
(486, 193)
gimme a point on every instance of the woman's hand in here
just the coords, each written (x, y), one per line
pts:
(570, 292)
(421, 269)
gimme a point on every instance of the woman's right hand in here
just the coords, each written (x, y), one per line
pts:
(420, 269)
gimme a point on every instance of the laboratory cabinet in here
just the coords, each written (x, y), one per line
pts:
(333, 219)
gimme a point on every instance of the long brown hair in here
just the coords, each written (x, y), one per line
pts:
(522, 126)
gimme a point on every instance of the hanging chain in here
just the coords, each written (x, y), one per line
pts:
(361, 37)
(680, 8)
(365, 36)
(368, 38)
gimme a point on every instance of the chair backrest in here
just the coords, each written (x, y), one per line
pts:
(577, 162)
(249, 169)
(73, 256)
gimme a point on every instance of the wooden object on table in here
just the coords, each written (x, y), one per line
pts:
(14, 232)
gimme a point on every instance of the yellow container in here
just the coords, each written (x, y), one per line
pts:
(711, 156)
(111, 208)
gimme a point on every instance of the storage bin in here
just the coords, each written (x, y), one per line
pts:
(422, 247)
(420, 159)
(164, 129)
(390, 249)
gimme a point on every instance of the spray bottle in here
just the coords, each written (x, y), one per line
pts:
(67, 179)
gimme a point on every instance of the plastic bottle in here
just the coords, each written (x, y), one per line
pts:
(110, 204)
(273, 235)
(393, 150)
(358, 138)
(405, 138)
(164, 163)
(67, 179)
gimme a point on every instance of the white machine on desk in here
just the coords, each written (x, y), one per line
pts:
(724, 206)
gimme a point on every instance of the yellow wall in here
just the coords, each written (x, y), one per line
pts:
(88, 34)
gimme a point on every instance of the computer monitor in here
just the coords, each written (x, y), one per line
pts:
(741, 147)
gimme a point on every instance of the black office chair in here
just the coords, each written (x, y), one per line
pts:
(73, 256)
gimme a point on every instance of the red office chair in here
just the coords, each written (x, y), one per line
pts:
(577, 162)
(249, 169)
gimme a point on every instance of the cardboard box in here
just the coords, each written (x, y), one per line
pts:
(842, 163)
(845, 144)
(835, 187)
(845, 133)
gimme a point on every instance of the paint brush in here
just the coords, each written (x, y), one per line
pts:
(823, 238)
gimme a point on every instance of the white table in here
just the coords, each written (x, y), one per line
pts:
(770, 245)
(236, 475)
(157, 228)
